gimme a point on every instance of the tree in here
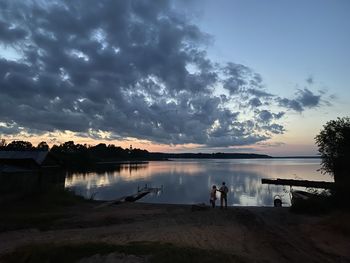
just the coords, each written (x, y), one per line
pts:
(334, 145)
(42, 146)
(19, 146)
(3, 143)
(68, 147)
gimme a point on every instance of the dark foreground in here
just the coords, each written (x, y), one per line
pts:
(136, 232)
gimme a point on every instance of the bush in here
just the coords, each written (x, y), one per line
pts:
(317, 203)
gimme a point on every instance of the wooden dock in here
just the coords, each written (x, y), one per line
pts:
(302, 183)
(141, 192)
(131, 198)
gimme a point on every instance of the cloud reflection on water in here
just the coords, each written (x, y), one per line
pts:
(189, 181)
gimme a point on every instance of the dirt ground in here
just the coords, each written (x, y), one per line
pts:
(259, 234)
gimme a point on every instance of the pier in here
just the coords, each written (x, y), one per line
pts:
(302, 183)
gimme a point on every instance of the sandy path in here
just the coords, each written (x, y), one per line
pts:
(258, 234)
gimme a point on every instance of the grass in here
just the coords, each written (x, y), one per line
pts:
(156, 253)
(46, 200)
(316, 204)
(37, 210)
(322, 203)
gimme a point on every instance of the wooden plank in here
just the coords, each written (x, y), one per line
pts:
(302, 183)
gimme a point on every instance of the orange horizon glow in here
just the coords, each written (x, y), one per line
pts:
(279, 146)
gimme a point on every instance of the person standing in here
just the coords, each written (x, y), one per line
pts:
(223, 195)
(213, 196)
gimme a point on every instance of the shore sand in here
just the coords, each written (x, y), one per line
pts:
(257, 234)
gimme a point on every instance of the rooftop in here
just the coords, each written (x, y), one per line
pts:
(37, 156)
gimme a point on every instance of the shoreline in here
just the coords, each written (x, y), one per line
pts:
(253, 233)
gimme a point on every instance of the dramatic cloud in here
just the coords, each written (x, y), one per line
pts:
(255, 102)
(9, 34)
(304, 99)
(129, 69)
(9, 128)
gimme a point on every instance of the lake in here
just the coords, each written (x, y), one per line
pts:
(188, 181)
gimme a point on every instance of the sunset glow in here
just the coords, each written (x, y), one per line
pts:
(174, 76)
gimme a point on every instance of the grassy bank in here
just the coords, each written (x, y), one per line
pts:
(38, 210)
(320, 203)
(152, 251)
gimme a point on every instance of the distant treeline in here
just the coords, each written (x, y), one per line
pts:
(212, 155)
(72, 155)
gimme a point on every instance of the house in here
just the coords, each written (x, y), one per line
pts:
(28, 171)
(28, 160)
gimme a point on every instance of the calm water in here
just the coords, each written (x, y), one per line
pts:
(189, 181)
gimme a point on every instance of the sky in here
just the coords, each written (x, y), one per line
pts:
(174, 76)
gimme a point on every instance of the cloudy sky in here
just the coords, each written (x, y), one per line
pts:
(174, 76)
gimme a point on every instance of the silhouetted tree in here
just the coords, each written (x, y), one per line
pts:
(73, 155)
(42, 146)
(3, 144)
(68, 147)
(139, 154)
(100, 150)
(19, 146)
(334, 145)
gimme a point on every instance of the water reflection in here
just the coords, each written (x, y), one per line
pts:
(189, 181)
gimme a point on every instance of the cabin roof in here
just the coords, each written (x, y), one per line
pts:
(36, 156)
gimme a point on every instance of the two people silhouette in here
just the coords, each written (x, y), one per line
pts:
(223, 195)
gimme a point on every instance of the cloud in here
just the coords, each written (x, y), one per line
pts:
(310, 80)
(255, 102)
(265, 116)
(9, 128)
(290, 104)
(304, 99)
(274, 128)
(10, 34)
(270, 144)
(308, 98)
(128, 69)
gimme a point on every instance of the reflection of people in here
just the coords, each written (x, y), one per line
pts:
(223, 195)
(213, 196)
